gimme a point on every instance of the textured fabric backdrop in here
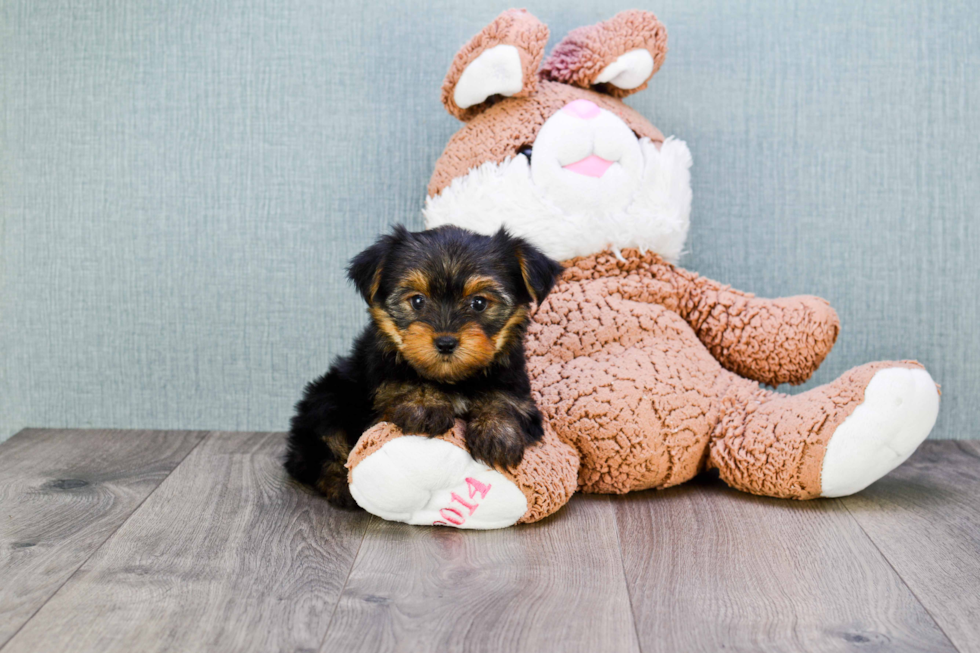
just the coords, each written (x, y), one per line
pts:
(182, 182)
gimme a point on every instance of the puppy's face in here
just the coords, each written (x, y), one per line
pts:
(451, 301)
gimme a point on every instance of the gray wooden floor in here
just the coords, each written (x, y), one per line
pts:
(192, 541)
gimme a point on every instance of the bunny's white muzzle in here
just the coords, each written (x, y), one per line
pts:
(591, 186)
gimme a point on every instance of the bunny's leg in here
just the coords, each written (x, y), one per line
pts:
(831, 441)
(434, 481)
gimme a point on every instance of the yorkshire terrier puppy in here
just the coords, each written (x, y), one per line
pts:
(449, 309)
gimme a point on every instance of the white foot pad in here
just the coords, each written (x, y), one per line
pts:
(899, 410)
(426, 481)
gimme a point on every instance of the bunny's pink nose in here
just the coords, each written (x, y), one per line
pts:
(582, 109)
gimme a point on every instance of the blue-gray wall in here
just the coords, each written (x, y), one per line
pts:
(182, 181)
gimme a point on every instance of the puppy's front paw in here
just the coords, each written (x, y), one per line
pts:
(425, 420)
(499, 441)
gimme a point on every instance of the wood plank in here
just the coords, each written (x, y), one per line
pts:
(925, 518)
(709, 568)
(553, 586)
(62, 493)
(226, 555)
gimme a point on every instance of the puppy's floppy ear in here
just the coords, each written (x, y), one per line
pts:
(365, 269)
(502, 59)
(539, 273)
(617, 57)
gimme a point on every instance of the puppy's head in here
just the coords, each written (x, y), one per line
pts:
(451, 301)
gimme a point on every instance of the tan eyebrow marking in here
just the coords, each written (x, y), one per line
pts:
(417, 281)
(476, 284)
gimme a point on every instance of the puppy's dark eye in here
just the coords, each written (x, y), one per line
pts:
(417, 302)
(479, 304)
(526, 151)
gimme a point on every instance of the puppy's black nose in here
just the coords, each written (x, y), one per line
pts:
(446, 344)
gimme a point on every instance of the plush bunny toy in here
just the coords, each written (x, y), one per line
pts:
(646, 373)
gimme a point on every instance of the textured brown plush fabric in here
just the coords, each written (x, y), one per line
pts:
(580, 57)
(772, 341)
(773, 444)
(501, 130)
(622, 363)
(370, 441)
(548, 476)
(513, 27)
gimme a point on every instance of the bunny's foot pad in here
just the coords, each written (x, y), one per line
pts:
(899, 410)
(429, 481)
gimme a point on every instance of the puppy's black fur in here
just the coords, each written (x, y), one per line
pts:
(449, 309)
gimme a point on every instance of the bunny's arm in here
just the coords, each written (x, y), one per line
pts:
(772, 341)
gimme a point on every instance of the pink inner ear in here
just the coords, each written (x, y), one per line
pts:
(582, 109)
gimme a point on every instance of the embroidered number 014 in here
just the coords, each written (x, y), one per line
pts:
(454, 516)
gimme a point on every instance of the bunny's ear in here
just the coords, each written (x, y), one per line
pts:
(503, 59)
(617, 57)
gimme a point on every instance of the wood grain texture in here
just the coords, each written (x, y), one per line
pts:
(709, 568)
(62, 493)
(226, 555)
(925, 519)
(102, 550)
(552, 586)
